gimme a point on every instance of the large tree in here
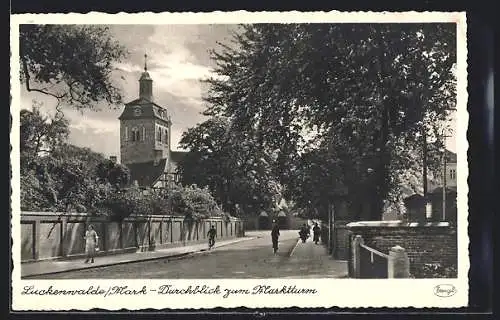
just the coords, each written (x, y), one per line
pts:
(363, 91)
(72, 63)
(235, 171)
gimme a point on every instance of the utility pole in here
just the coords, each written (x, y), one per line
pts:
(330, 227)
(424, 136)
(444, 184)
(444, 176)
(428, 205)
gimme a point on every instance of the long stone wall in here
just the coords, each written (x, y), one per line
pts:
(52, 235)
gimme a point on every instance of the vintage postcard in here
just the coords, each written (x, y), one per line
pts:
(236, 159)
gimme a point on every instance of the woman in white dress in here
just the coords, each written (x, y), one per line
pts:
(90, 244)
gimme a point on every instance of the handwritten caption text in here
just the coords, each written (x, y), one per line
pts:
(167, 289)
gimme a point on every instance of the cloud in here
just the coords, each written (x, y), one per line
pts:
(107, 144)
(128, 67)
(95, 126)
(182, 80)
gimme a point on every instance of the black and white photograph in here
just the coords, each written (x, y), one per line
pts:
(234, 159)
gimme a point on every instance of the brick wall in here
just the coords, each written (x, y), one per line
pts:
(424, 243)
(341, 240)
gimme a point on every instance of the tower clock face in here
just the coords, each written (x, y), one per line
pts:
(137, 112)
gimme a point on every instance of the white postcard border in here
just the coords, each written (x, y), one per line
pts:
(351, 293)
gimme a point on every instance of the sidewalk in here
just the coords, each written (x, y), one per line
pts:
(57, 266)
(315, 262)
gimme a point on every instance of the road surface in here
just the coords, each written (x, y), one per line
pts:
(246, 259)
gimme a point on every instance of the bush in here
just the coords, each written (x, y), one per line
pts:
(124, 203)
(435, 270)
(192, 202)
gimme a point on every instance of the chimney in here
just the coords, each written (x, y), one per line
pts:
(113, 159)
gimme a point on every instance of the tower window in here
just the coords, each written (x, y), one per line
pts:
(158, 134)
(135, 134)
(143, 133)
(126, 133)
(165, 135)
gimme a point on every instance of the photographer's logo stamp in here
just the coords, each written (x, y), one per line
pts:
(445, 290)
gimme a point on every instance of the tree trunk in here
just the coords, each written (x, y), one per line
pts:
(381, 173)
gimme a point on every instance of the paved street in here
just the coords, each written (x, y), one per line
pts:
(245, 259)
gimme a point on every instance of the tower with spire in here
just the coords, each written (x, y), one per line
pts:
(146, 83)
(145, 131)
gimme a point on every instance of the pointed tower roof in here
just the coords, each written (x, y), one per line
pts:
(145, 75)
(148, 108)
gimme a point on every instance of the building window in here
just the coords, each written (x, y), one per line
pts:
(126, 133)
(135, 134)
(453, 174)
(143, 133)
(161, 134)
(177, 177)
(158, 134)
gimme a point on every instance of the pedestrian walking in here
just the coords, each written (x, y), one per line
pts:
(212, 233)
(304, 233)
(316, 233)
(275, 234)
(91, 243)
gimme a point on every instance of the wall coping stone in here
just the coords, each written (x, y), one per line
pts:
(129, 218)
(395, 224)
(397, 248)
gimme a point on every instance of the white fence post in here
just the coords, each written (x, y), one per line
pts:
(356, 255)
(398, 264)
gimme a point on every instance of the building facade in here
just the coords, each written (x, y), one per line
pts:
(441, 202)
(145, 139)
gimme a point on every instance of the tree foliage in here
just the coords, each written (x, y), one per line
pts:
(72, 63)
(340, 106)
(39, 134)
(237, 174)
(116, 174)
(63, 177)
(191, 202)
(133, 201)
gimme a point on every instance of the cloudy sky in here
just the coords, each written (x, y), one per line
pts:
(178, 59)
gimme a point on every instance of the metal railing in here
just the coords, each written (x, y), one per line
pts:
(373, 262)
(373, 251)
(369, 263)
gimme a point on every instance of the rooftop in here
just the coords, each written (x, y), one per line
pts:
(148, 109)
(147, 173)
(145, 76)
(177, 156)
